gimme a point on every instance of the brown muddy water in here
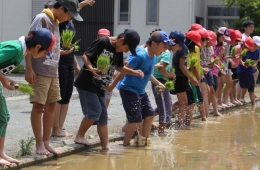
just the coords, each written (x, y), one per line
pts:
(231, 142)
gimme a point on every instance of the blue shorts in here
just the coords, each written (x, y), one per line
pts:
(246, 81)
(208, 79)
(191, 96)
(137, 106)
(93, 106)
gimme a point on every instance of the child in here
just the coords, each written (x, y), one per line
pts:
(91, 85)
(37, 43)
(42, 74)
(246, 71)
(132, 89)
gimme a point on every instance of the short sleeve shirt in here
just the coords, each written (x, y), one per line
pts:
(182, 53)
(85, 80)
(249, 55)
(165, 58)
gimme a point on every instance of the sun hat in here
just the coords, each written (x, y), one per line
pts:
(195, 27)
(238, 35)
(257, 40)
(104, 31)
(194, 36)
(225, 32)
(250, 43)
(180, 37)
(203, 33)
(213, 37)
(233, 35)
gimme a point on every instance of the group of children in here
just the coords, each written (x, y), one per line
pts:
(202, 61)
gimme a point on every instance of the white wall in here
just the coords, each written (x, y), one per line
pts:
(15, 18)
(199, 6)
(173, 15)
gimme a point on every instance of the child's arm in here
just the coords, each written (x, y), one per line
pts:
(6, 82)
(185, 71)
(129, 70)
(114, 83)
(157, 83)
(89, 66)
(162, 70)
(76, 66)
(29, 74)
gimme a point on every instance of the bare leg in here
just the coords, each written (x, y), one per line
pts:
(129, 131)
(84, 126)
(182, 102)
(47, 125)
(214, 101)
(56, 120)
(36, 122)
(252, 97)
(227, 89)
(147, 124)
(239, 92)
(4, 159)
(202, 111)
(204, 91)
(255, 78)
(107, 102)
(189, 114)
(103, 135)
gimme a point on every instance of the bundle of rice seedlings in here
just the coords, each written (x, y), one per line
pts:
(243, 53)
(193, 61)
(249, 62)
(222, 66)
(24, 88)
(169, 84)
(215, 60)
(233, 51)
(66, 39)
(172, 69)
(103, 63)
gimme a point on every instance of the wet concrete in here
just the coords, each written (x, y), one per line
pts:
(231, 142)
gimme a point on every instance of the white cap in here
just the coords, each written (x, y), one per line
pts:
(257, 40)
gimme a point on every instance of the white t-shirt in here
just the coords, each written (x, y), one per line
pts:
(244, 36)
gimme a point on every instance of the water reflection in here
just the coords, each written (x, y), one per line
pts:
(230, 142)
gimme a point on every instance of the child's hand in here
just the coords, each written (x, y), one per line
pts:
(161, 86)
(158, 65)
(171, 75)
(194, 82)
(138, 73)
(7, 83)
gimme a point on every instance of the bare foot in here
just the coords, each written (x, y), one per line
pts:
(204, 119)
(218, 114)
(9, 159)
(5, 162)
(41, 150)
(81, 141)
(61, 133)
(51, 149)
(106, 148)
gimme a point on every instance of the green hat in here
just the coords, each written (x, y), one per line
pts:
(72, 7)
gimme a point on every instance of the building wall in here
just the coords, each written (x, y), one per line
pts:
(199, 6)
(171, 17)
(15, 18)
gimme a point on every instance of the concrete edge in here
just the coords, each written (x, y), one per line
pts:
(71, 148)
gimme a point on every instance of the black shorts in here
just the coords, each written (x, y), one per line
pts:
(234, 75)
(181, 85)
(246, 81)
(194, 94)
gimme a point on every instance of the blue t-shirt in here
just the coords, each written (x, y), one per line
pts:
(249, 55)
(142, 62)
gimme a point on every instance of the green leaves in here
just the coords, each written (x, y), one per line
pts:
(249, 62)
(169, 84)
(103, 63)
(66, 40)
(243, 53)
(233, 51)
(215, 60)
(192, 61)
(24, 88)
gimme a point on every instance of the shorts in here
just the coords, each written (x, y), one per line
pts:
(4, 114)
(234, 75)
(93, 106)
(47, 90)
(215, 86)
(164, 104)
(108, 95)
(137, 106)
(66, 79)
(208, 78)
(228, 72)
(194, 94)
(181, 85)
(246, 81)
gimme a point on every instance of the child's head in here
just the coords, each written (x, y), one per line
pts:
(193, 38)
(250, 44)
(238, 35)
(39, 42)
(65, 10)
(179, 38)
(248, 26)
(195, 27)
(103, 32)
(223, 35)
(127, 41)
(159, 42)
(213, 38)
(204, 37)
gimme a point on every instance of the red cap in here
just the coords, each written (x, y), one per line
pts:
(250, 43)
(104, 31)
(213, 37)
(238, 35)
(233, 35)
(194, 36)
(203, 33)
(195, 27)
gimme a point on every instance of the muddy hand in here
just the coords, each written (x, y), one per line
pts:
(7, 83)
(95, 72)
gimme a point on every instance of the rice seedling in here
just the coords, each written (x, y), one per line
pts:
(215, 60)
(222, 66)
(193, 61)
(66, 39)
(26, 147)
(24, 88)
(243, 53)
(249, 62)
(103, 63)
(169, 84)
(233, 51)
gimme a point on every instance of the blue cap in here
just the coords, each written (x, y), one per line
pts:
(180, 37)
(44, 37)
(162, 37)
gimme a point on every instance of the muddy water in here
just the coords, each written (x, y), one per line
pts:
(231, 142)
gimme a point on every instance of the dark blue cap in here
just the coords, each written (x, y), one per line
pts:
(180, 37)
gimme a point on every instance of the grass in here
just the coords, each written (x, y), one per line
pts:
(26, 147)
